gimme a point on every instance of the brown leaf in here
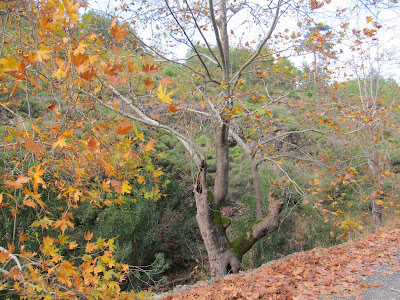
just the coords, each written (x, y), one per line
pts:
(174, 109)
(92, 144)
(118, 32)
(166, 81)
(149, 84)
(149, 69)
(124, 127)
(31, 145)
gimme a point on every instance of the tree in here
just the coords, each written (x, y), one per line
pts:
(219, 90)
(98, 81)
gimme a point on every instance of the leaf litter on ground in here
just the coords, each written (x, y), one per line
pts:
(336, 271)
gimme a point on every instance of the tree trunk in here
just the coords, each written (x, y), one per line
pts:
(376, 208)
(225, 256)
(212, 228)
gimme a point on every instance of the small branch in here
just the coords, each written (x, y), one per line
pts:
(236, 77)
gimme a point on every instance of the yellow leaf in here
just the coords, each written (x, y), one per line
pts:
(149, 146)
(161, 94)
(316, 181)
(126, 188)
(60, 142)
(9, 64)
(81, 48)
(379, 202)
(60, 73)
(352, 171)
(42, 53)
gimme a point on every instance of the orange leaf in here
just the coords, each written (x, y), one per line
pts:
(115, 105)
(72, 245)
(124, 127)
(117, 31)
(92, 144)
(116, 185)
(155, 117)
(348, 176)
(3, 257)
(149, 146)
(18, 183)
(23, 237)
(114, 80)
(51, 107)
(166, 81)
(88, 235)
(31, 145)
(81, 48)
(36, 177)
(149, 69)
(173, 109)
(90, 247)
(149, 84)
(315, 4)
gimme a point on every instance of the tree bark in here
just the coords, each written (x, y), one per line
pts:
(262, 227)
(211, 224)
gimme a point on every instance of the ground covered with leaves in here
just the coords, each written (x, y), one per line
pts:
(317, 274)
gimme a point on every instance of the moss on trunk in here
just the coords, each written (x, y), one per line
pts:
(244, 242)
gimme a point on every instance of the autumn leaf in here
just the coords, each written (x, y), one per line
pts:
(72, 245)
(31, 145)
(166, 81)
(118, 32)
(90, 247)
(36, 177)
(174, 109)
(4, 256)
(116, 185)
(8, 64)
(115, 105)
(314, 4)
(149, 69)
(149, 146)
(18, 183)
(60, 142)
(88, 235)
(149, 84)
(161, 94)
(125, 188)
(81, 48)
(140, 179)
(124, 127)
(63, 224)
(61, 72)
(115, 80)
(34, 196)
(92, 144)
(44, 223)
(42, 53)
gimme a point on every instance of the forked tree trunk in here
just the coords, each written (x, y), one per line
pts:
(225, 256)
(212, 228)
